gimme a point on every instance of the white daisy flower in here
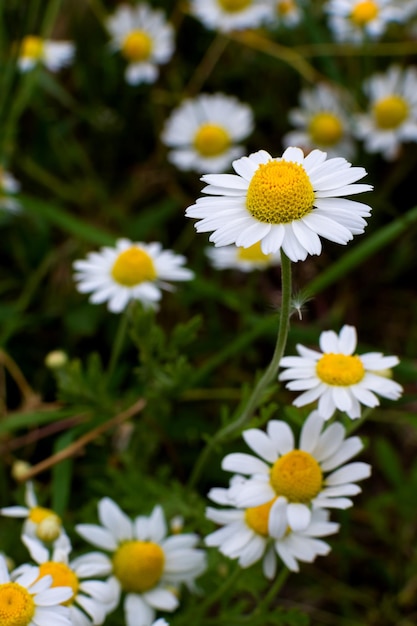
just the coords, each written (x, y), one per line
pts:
(392, 116)
(260, 532)
(52, 54)
(356, 21)
(242, 259)
(9, 186)
(144, 38)
(91, 599)
(28, 600)
(321, 122)
(229, 15)
(284, 202)
(286, 13)
(204, 130)
(129, 271)
(337, 377)
(298, 477)
(147, 565)
(39, 521)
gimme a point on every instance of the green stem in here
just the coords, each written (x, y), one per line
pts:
(219, 592)
(118, 342)
(273, 592)
(268, 376)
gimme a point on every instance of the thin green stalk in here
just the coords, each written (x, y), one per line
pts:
(218, 593)
(119, 340)
(268, 376)
(263, 605)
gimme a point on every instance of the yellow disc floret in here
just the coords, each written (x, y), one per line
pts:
(48, 523)
(133, 266)
(233, 6)
(253, 254)
(211, 140)
(138, 565)
(137, 46)
(16, 605)
(284, 7)
(340, 370)
(280, 192)
(31, 47)
(364, 12)
(62, 576)
(297, 476)
(325, 129)
(390, 112)
(257, 517)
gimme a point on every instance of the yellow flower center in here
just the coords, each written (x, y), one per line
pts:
(297, 476)
(137, 46)
(62, 576)
(280, 192)
(133, 266)
(16, 605)
(325, 129)
(340, 370)
(48, 523)
(31, 47)
(284, 7)
(253, 254)
(390, 112)
(364, 12)
(257, 517)
(211, 140)
(232, 6)
(138, 565)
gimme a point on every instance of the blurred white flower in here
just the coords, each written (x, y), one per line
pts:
(229, 15)
(52, 54)
(203, 132)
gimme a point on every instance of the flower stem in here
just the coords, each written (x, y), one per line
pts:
(268, 376)
(263, 605)
(118, 342)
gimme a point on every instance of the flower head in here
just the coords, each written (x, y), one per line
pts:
(144, 38)
(392, 116)
(129, 271)
(91, 599)
(39, 521)
(229, 15)
(321, 121)
(338, 377)
(357, 20)
(146, 563)
(301, 479)
(27, 599)
(203, 132)
(285, 202)
(261, 532)
(287, 13)
(52, 54)
(242, 259)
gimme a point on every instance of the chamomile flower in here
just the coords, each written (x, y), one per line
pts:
(144, 38)
(392, 116)
(355, 21)
(129, 271)
(242, 259)
(260, 532)
(301, 479)
(147, 565)
(9, 186)
(54, 55)
(91, 599)
(321, 122)
(229, 15)
(286, 202)
(203, 132)
(27, 599)
(286, 13)
(338, 377)
(39, 521)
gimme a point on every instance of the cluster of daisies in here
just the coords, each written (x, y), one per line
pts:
(138, 562)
